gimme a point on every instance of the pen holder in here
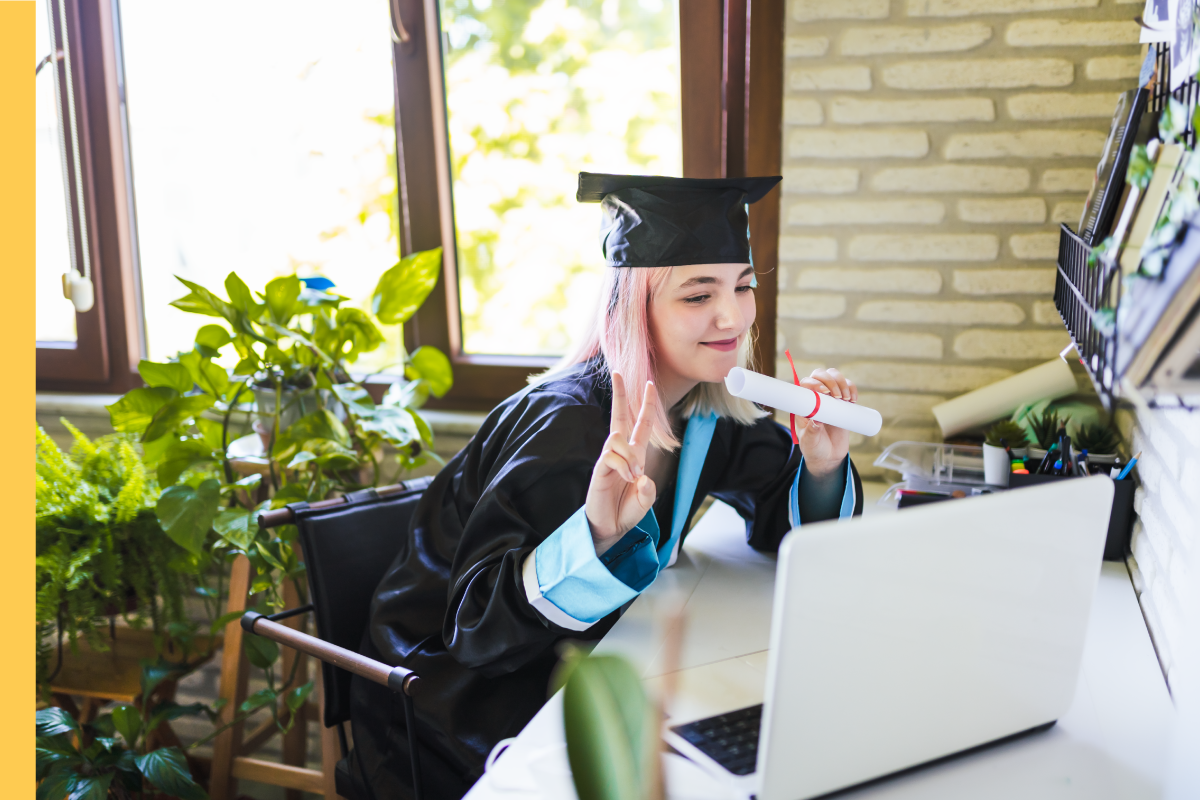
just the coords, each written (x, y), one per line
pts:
(1120, 522)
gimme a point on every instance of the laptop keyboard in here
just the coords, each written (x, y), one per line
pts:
(729, 739)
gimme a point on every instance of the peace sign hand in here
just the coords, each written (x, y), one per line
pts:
(621, 493)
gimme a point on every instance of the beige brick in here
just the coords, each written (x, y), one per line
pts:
(852, 111)
(896, 404)
(858, 342)
(898, 39)
(1004, 281)
(1021, 345)
(942, 312)
(797, 111)
(960, 8)
(1025, 144)
(1018, 209)
(925, 247)
(807, 248)
(866, 212)
(1067, 180)
(849, 279)
(952, 178)
(1067, 212)
(853, 78)
(1070, 33)
(1061, 105)
(857, 143)
(809, 10)
(1113, 68)
(1032, 246)
(887, 375)
(811, 306)
(984, 73)
(1045, 313)
(806, 46)
(820, 180)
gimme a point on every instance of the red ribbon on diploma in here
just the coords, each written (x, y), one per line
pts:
(816, 396)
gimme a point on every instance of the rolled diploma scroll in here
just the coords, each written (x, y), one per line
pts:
(801, 401)
(1047, 381)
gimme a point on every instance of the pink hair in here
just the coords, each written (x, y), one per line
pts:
(620, 332)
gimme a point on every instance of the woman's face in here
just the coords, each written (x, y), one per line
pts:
(699, 319)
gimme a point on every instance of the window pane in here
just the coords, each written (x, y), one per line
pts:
(55, 316)
(536, 93)
(262, 142)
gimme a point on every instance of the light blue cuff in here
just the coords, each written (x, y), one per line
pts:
(845, 510)
(574, 588)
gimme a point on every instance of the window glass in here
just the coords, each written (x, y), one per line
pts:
(262, 142)
(55, 316)
(536, 93)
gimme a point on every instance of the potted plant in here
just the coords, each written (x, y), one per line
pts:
(1100, 441)
(101, 551)
(1003, 438)
(292, 346)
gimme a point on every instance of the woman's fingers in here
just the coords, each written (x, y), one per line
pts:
(832, 382)
(620, 407)
(614, 462)
(616, 443)
(641, 431)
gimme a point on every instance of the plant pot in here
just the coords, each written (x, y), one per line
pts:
(997, 466)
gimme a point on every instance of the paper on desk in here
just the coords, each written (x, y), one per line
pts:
(802, 401)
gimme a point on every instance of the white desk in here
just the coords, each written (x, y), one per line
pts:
(1112, 744)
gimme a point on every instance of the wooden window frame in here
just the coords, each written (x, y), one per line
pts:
(731, 65)
(110, 337)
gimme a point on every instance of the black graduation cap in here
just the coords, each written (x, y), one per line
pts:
(654, 221)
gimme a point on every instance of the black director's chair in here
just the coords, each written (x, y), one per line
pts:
(348, 545)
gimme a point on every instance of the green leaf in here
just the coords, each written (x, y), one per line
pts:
(281, 296)
(320, 424)
(155, 672)
(214, 337)
(353, 395)
(57, 783)
(167, 769)
(299, 337)
(51, 751)
(237, 526)
(432, 365)
(128, 721)
(55, 721)
(403, 288)
(211, 430)
(262, 653)
(271, 558)
(89, 787)
(186, 514)
(210, 377)
(301, 458)
(357, 329)
(174, 376)
(1141, 168)
(174, 413)
(296, 697)
(179, 455)
(241, 298)
(1172, 121)
(609, 729)
(220, 622)
(133, 412)
(397, 425)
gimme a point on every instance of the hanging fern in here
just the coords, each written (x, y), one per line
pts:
(100, 549)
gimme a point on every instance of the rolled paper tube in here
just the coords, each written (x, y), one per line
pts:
(802, 402)
(1048, 381)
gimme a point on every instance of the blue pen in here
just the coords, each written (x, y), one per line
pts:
(1125, 472)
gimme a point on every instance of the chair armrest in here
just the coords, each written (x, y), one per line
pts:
(398, 679)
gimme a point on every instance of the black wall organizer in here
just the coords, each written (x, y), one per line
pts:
(1080, 290)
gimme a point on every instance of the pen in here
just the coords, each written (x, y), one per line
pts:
(1046, 462)
(1125, 472)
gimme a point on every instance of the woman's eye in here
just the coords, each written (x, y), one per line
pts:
(744, 289)
(697, 300)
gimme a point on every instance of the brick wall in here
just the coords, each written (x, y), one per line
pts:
(930, 149)
(1165, 535)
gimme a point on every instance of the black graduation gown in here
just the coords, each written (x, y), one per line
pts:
(453, 607)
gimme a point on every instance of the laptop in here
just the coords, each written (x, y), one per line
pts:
(902, 638)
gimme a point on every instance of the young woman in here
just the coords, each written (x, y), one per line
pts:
(576, 492)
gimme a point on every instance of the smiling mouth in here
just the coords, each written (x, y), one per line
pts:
(723, 345)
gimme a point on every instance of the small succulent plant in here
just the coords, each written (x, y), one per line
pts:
(1046, 427)
(1006, 431)
(1097, 439)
